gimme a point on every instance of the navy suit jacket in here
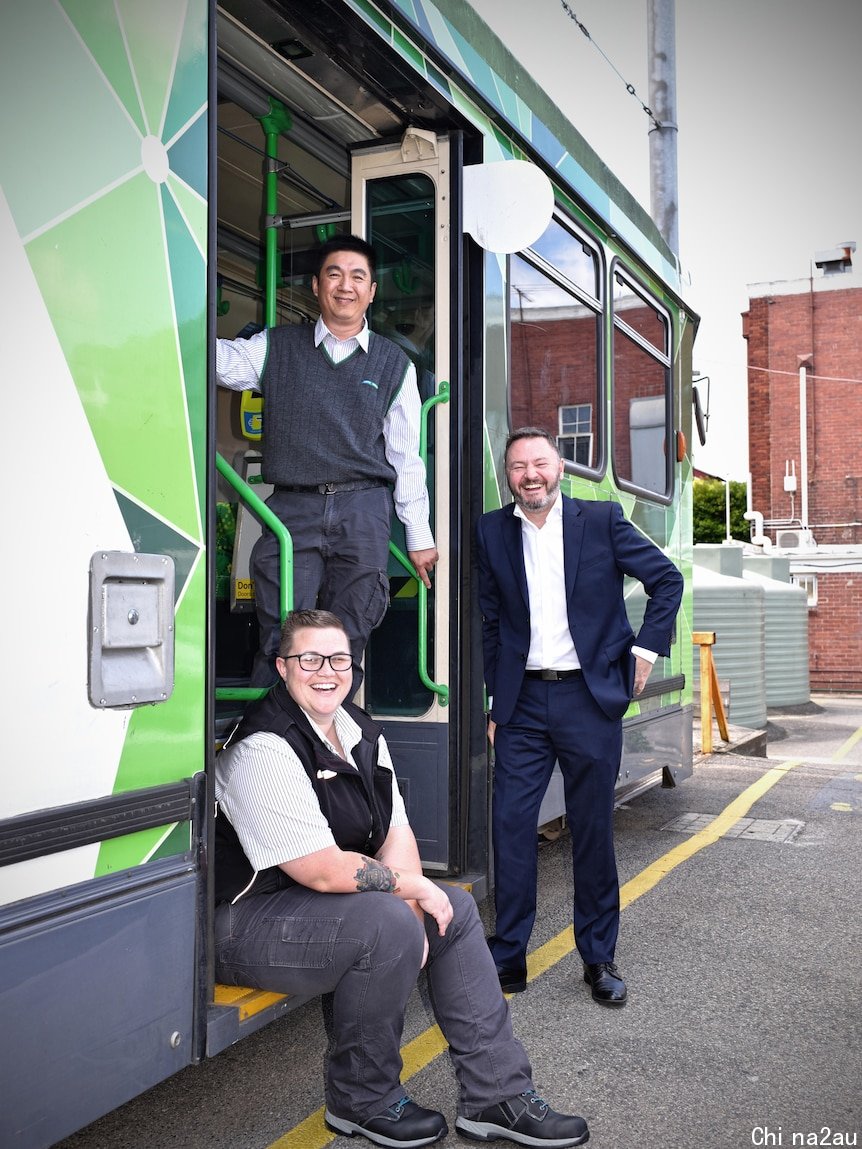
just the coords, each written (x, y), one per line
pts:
(600, 547)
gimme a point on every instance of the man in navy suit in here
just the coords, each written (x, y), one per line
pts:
(561, 666)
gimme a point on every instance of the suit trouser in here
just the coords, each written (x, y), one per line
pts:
(340, 556)
(365, 951)
(555, 721)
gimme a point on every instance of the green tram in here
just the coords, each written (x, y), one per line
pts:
(199, 154)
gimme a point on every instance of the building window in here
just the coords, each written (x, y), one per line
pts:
(809, 584)
(575, 440)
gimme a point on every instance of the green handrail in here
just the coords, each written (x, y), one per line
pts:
(442, 396)
(422, 606)
(438, 688)
(256, 504)
(285, 567)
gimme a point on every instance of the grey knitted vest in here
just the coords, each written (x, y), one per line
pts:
(323, 422)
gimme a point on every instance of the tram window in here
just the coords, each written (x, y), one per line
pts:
(564, 252)
(642, 414)
(631, 309)
(402, 228)
(554, 340)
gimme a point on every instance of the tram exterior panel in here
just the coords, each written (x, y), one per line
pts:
(131, 240)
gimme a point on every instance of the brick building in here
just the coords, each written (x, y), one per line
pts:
(805, 449)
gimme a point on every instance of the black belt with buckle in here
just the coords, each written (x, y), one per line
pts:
(552, 675)
(333, 488)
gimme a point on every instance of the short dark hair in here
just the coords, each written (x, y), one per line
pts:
(530, 433)
(299, 619)
(347, 243)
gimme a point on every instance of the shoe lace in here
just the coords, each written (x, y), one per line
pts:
(398, 1108)
(533, 1098)
(606, 967)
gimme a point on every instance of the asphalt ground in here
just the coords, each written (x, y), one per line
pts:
(741, 945)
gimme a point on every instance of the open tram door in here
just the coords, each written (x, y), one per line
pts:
(365, 145)
(401, 201)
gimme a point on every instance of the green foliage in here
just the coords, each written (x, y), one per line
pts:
(709, 511)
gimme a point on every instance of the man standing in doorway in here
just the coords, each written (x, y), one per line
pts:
(561, 666)
(341, 432)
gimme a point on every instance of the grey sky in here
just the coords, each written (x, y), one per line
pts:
(769, 98)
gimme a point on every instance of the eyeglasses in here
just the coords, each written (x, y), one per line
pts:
(310, 660)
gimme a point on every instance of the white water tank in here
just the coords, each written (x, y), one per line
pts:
(786, 629)
(734, 608)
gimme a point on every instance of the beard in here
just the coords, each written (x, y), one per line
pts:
(538, 500)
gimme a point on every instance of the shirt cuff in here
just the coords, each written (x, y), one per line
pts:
(419, 538)
(649, 655)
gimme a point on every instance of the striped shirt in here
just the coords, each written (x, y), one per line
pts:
(263, 788)
(239, 366)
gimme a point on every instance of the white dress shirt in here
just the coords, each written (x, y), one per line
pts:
(240, 363)
(551, 643)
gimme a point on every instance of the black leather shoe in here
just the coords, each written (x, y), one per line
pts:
(526, 1119)
(404, 1125)
(512, 980)
(608, 987)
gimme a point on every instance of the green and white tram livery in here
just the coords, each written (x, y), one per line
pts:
(167, 171)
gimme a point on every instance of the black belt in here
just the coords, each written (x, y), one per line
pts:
(333, 488)
(552, 675)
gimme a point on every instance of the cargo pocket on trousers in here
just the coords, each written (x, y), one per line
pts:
(378, 604)
(303, 943)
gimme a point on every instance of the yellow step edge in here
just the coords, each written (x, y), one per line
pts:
(248, 1001)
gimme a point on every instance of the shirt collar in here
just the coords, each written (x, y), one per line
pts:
(321, 332)
(348, 730)
(556, 512)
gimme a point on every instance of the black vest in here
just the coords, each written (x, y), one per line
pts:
(323, 422)
(357, 803)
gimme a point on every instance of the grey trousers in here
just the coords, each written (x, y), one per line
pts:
(340, 556)
(365, 951)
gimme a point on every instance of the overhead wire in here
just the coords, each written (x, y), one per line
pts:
(809, 375)
(775, 371)
(630, 88)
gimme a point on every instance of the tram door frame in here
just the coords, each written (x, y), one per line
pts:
(420, 743)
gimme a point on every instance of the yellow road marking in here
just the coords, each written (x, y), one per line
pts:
(731, 814)
(416, 1054)
(557, 948)
(844, 750)
(308, 1134)
(313, 1134)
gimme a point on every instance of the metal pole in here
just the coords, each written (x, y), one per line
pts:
(803, 445)
(661, 33)
(275, 124)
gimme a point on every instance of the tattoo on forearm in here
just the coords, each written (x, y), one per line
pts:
(373, 875)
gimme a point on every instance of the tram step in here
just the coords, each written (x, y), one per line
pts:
(237, 1011)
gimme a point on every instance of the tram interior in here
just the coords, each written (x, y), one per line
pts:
(312, 71)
